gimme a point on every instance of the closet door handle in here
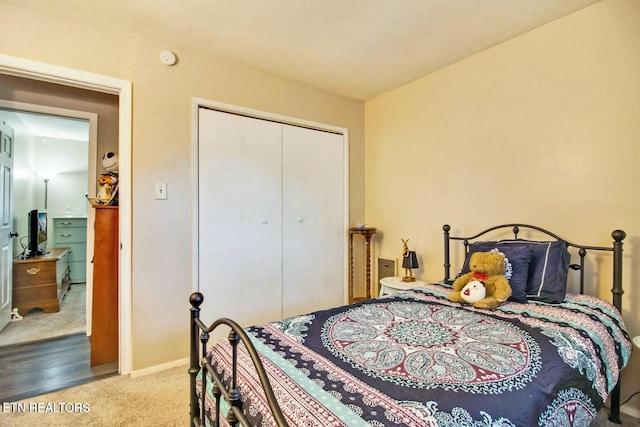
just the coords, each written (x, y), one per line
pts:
(300, 219)
(264, 221)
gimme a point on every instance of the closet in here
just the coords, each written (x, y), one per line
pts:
(271, 218)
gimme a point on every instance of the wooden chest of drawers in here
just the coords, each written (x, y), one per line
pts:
(41, 282)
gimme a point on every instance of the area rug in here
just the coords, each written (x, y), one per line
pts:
(38, 326)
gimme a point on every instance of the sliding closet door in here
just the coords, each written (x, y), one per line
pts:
(240, 223)
(313, 220)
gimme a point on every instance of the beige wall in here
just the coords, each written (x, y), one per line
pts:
(161, 251)
(542, 129)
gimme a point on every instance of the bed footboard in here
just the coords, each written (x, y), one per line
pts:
(200, 362)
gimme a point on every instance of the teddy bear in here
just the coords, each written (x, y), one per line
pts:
(488, 269)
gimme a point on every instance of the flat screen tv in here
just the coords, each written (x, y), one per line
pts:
(37, 233)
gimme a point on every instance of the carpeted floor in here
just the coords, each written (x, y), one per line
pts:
(160, 399)
(37, 326)
(627, 420)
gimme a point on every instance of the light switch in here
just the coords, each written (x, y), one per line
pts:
(161, 191)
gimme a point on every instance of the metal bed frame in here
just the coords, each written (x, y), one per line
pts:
(200, 363)
(616, 290)
(231, 394)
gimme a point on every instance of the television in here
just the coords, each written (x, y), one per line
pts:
(37, 233)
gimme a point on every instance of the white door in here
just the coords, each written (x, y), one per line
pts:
(313, 220)
(6, 222)
(239, 211)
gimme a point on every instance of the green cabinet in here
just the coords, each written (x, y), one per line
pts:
(71, 232)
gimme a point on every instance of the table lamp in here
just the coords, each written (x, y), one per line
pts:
(409, 261)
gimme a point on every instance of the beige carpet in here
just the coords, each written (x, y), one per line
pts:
(161, 399)
(627, 420)
(37, 326)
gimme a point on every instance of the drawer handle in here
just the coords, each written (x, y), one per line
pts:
(66, 235)
(33, 270)
(66, 223)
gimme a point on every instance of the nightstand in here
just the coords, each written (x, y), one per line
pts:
(390, 285)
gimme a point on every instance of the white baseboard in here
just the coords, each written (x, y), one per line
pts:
(159, 368)
(634, 412)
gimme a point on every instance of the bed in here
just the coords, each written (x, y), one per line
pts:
(548, 356)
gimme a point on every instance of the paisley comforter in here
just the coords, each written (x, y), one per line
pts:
(416, 359)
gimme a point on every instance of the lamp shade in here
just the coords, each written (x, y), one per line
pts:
(410, 260)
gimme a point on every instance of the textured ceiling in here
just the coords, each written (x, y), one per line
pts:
(356, 48)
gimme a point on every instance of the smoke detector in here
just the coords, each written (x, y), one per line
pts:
(167, 57)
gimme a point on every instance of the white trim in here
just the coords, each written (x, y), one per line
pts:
(125, 202)
(347, 258)
(159, 368)
(195, 230)
(35, 70)
(630, 411)
(66, 76)
(235, 109)
(196, 103)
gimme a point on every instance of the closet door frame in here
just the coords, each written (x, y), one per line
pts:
(198, 103)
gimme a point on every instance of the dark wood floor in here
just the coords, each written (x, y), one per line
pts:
(28, 370)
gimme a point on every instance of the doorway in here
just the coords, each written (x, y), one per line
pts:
(54, 159)
(54, 156)
(38, 73)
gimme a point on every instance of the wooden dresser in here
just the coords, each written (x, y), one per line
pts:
(41, 282)
(104, 317)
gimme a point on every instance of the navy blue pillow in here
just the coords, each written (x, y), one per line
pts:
(517, 260)
(548, 271)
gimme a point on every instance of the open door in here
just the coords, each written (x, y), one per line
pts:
(6, 222)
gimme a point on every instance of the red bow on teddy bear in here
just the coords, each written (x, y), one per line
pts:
(480, 276)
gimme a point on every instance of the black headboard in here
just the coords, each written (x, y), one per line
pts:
(616, 248)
